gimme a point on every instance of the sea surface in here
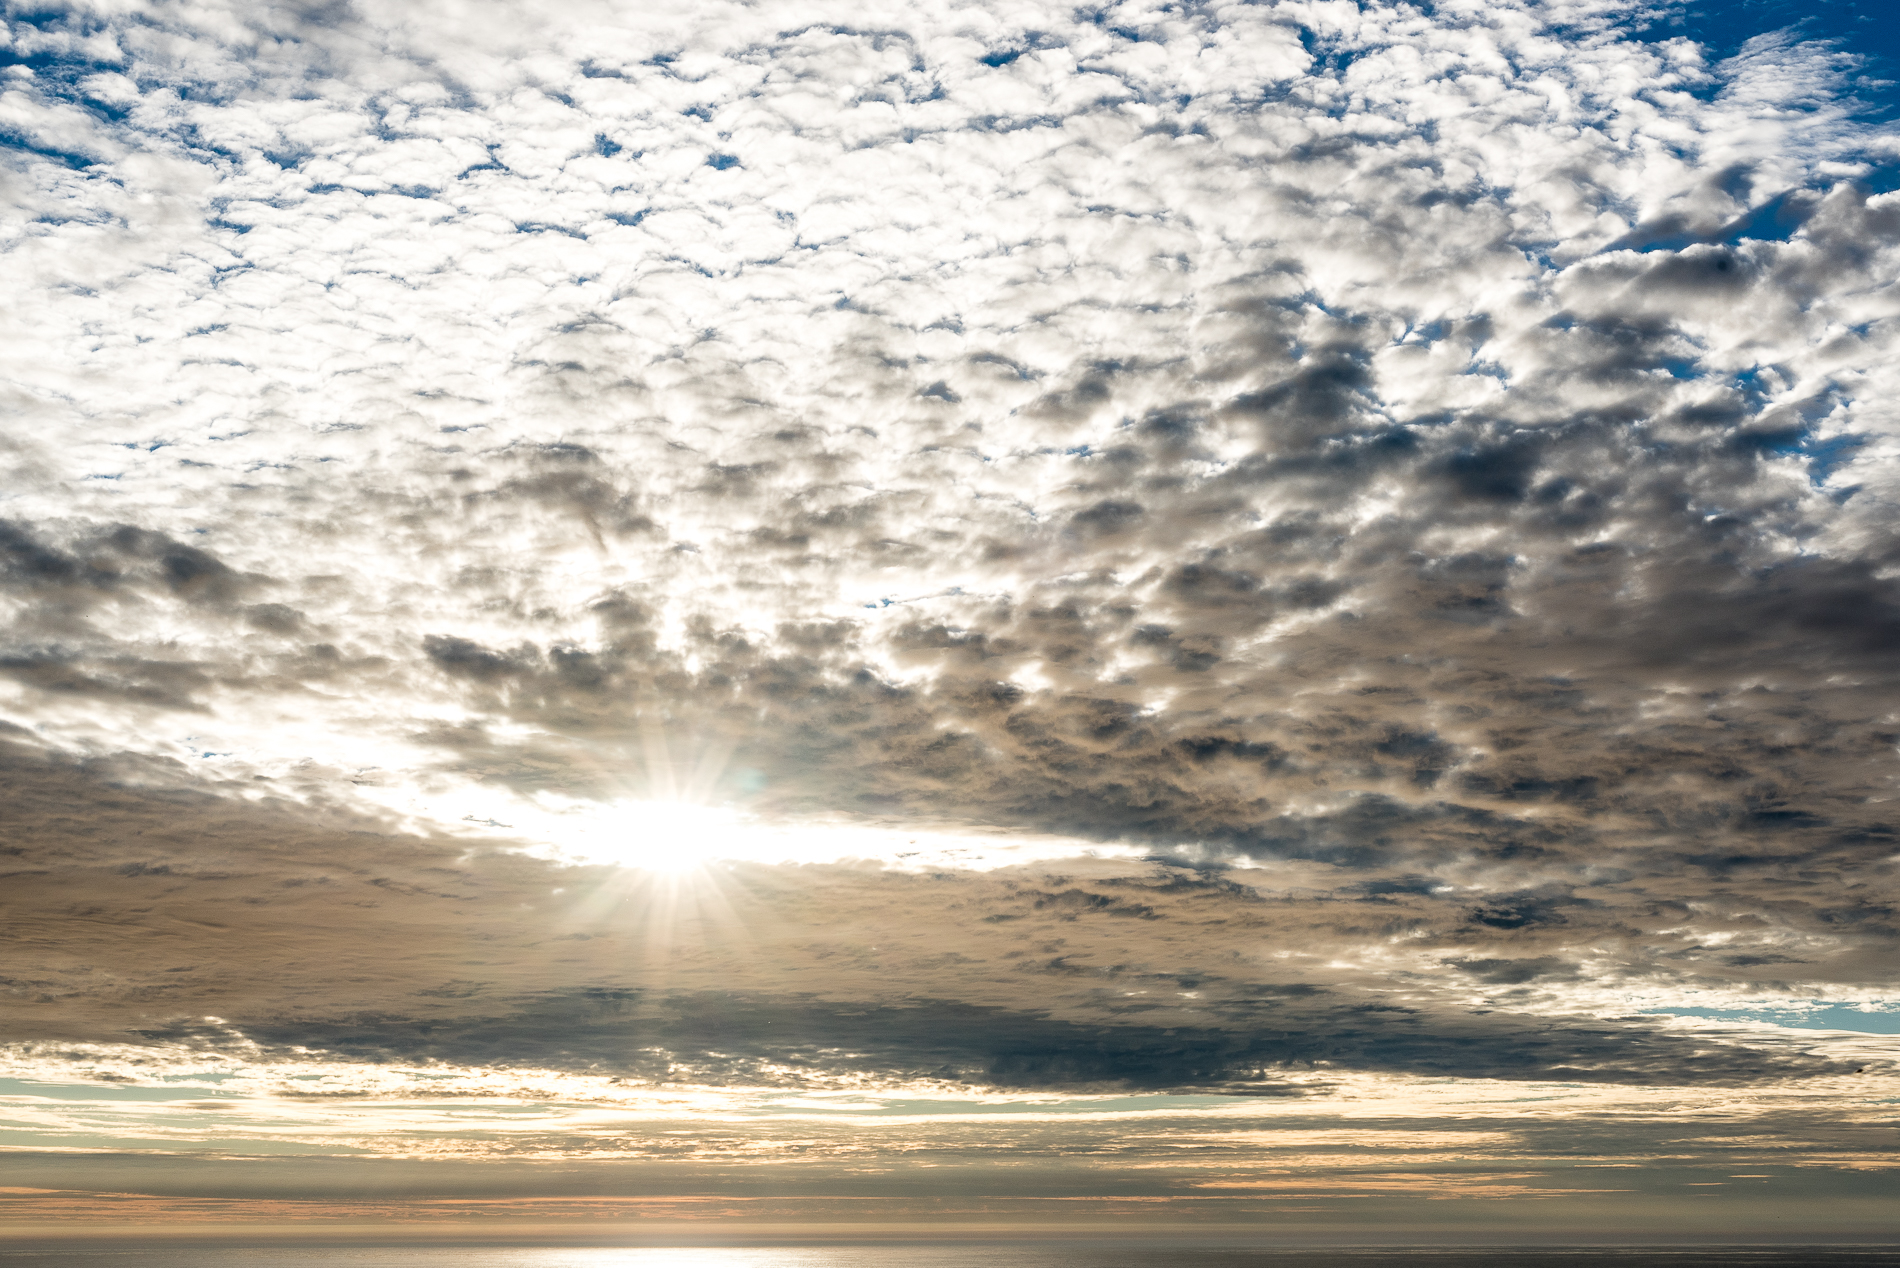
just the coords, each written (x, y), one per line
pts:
(964, 1256)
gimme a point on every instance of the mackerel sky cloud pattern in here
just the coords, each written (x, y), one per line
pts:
(1010, 550)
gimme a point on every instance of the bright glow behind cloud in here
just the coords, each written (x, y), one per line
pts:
(682, 837)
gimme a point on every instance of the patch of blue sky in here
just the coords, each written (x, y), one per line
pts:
(76, 160)
(1813, 1014)
(1822, 456)
(1865, 28)
(56, 64)
(1748, 383)
(1329, 56)
(1773, 221)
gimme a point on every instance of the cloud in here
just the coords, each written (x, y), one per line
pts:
(1360, 542)
(361, 945)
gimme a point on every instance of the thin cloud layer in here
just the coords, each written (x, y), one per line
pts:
(1246, 544)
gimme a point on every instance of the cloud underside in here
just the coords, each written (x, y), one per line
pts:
(179, 920)
(1435, 503)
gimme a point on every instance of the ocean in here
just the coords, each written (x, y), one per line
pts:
(910, 1255)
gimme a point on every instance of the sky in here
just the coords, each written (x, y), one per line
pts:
(837, 619)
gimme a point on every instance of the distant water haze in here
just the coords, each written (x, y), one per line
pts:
(1003, 1256)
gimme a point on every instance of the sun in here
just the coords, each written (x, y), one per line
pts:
(668, 838)
(680, 837)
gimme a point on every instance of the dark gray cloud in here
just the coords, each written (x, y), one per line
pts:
(720, 1038)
